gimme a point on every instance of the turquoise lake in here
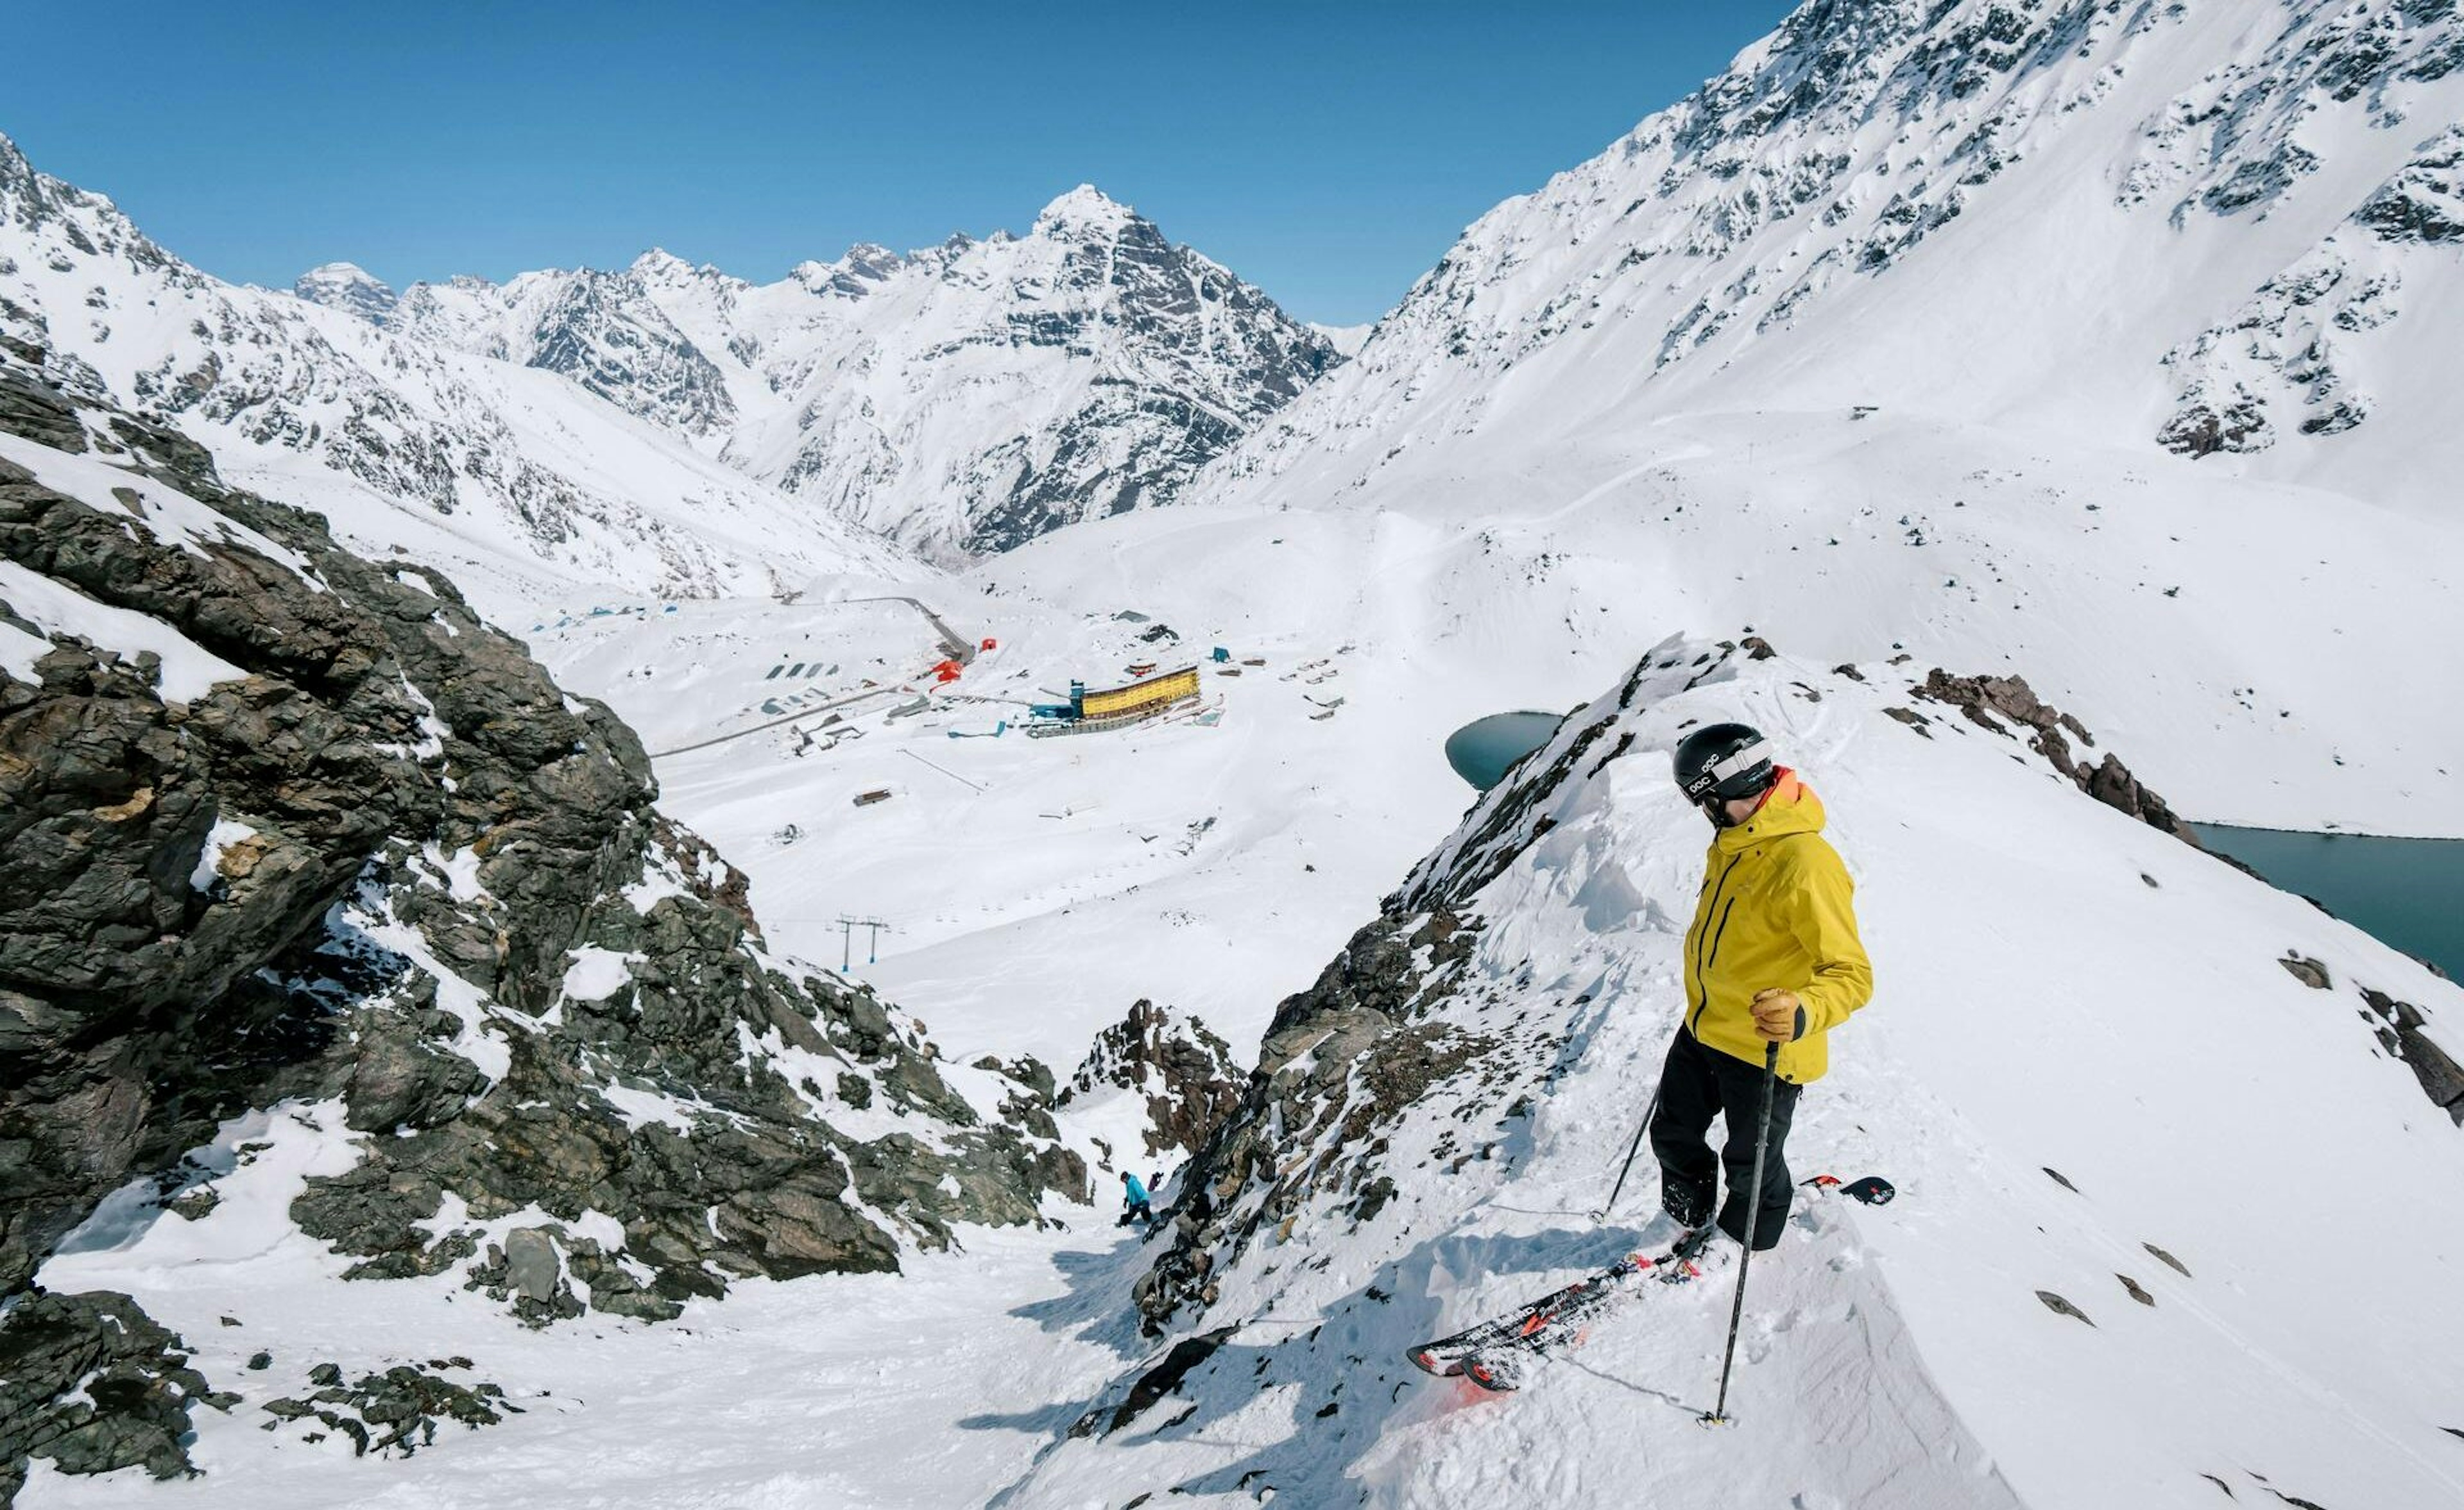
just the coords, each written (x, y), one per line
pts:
(1482, 751)
(2404, 892)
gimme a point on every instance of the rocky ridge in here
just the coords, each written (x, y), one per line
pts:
(963, 398)
(348, 287)
(1178, 1067)
(1402, 1055)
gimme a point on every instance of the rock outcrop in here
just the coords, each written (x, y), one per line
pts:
(93, 1384)
(1985, 700)
(1179, 1066)
(285, 825)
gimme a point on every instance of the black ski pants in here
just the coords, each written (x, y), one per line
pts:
(1697, 1085)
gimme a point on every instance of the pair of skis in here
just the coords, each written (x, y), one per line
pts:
(1500, 1353)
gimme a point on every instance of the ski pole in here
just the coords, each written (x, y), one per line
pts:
(1632, 1148)
(1718, 1415)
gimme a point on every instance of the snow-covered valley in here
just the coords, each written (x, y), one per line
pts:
(723, 1037)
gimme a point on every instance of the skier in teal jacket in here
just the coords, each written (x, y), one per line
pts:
(1135, 1195)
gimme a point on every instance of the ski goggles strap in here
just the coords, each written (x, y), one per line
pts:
(1737, 764)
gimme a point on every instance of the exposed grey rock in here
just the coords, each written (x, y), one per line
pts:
(1985, 700)
(91, 1382)
(2167, 1260)
(1182, 1069)
(2062, 1307)
(531, 1264)
(377, 725)
(2400, 1027)
(2309, 971)
(393, 1412)
(1344, 1058)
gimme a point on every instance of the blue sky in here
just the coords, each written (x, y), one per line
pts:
(1327, 153)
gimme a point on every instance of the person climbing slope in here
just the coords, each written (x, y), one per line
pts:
(1139, 1209)
(1773, 957)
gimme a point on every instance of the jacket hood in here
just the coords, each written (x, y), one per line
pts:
(1792, 808)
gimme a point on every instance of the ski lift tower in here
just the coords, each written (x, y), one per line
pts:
(848, 925)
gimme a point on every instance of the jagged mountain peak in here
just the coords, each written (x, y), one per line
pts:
(961, 396)
(348, 287)
(1085, 210)
(659, 265)
(660, 260)
(855, 274)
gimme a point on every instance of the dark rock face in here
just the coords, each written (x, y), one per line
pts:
(602, 330)
(2424, 203)
(1346, 1056)
(1185, 1072)
(91, 1382)
(1988, 700)
(1153, 1385)
(429, 834)
(2399, 1028)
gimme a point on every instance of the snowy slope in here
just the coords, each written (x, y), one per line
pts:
(1347, 339)
(2219, 226)
(527, 489)
(2060, 989)
(963, 398)
(1900, 335)
(2251, 689)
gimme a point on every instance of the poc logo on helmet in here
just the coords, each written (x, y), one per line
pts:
(1722, 762)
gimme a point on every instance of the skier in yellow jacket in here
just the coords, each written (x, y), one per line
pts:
(1773, 957)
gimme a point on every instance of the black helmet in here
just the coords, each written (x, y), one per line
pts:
(1721, 762)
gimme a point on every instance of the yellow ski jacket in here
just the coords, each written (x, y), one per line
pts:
(1776, 910)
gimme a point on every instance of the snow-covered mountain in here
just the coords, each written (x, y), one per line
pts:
(313, 869)
(2118, 1082)
(1347, 339)
(963, 398)
(527, 488)
(1980, 330)
(348, 287)
(2215, 227)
